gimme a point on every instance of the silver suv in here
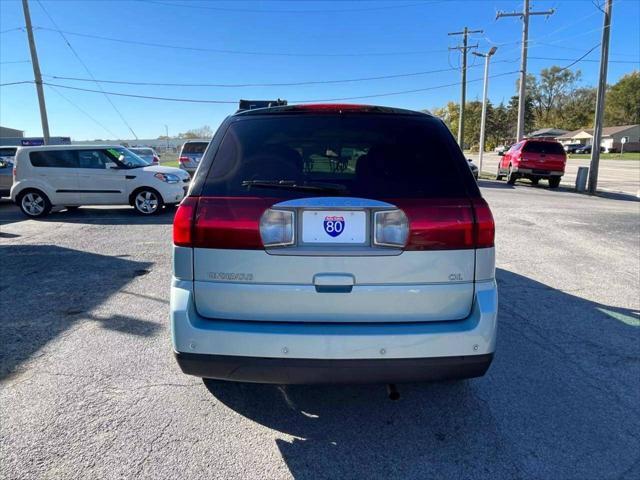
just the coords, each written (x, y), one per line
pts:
(333, 243)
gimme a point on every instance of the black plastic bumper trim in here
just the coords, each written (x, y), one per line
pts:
(314, 371)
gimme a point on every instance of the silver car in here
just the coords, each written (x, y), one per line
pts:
(7, 158)
(190, 155)
(149, 155)
(287, 270)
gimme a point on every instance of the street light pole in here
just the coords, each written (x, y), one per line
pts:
(483, 118)
(602, 88)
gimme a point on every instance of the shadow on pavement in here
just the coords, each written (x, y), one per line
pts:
(116, 215)
(559, 401)
(46, 289)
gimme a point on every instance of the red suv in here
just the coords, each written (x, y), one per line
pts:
(533, 159)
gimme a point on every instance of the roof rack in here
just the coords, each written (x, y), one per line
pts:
(252, 104)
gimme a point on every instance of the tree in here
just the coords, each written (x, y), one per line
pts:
(579, 110)
(512, 116)
(202, 132)
(622, 104)
(550, 94)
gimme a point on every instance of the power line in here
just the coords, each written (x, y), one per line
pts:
(255, 10)
(635, 62)
(15, 83)
(243, 52)
(16, 61)
(85, 67)
(283, 84)
(579, 59)
(233, 102)
(11, 30)
(83, 111)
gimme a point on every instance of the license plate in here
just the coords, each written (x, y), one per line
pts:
(334, 226)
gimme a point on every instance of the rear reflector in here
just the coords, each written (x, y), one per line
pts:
(184, 160)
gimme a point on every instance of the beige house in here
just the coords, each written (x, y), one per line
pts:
(611, 138)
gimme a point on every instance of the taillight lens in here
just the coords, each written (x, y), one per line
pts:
(485, 229)
(438, 224)
(391, 228)
(183, 222)
(222, 222)
(156, 160)
(183, 160)
(277, 228)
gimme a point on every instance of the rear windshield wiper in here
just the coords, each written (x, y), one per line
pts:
(293, 185)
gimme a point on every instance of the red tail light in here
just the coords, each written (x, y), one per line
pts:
(183, 222)
(156, 160)
(485, 228)
(184, 160)
(438, 224)
(219, 222)
(234, 223)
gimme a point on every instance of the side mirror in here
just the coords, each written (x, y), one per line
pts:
(469, 160)
(501, 154)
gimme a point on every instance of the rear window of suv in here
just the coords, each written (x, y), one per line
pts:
(544, 147)
(372, 156)
(194, 147)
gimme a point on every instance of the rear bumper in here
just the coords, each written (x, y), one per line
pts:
(260, 351)
(311, 371)
(538, 172)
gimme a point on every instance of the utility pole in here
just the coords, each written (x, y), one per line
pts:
(602, 87)
(463, 93)
(524, 15)
(36, 72)
(166, 130)
(483, 119)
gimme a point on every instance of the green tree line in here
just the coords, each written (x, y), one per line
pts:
(554, 100)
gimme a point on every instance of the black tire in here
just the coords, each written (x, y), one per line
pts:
(511, 176)
(535, 181)
(34, 203)
(498, 176)
(554, 182)
(147, 201)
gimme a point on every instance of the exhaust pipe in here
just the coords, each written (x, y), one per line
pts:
(392, 392)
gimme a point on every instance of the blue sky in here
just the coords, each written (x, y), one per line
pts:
(321, 40)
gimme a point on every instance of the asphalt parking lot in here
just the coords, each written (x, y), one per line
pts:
(89, 387)
(621, 176)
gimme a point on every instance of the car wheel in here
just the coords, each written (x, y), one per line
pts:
(554, 182)
(511, 176)
(34, 203)
(534, 181)
(147, 201)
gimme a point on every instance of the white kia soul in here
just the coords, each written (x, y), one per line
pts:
(333, 243)
(75, 175)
